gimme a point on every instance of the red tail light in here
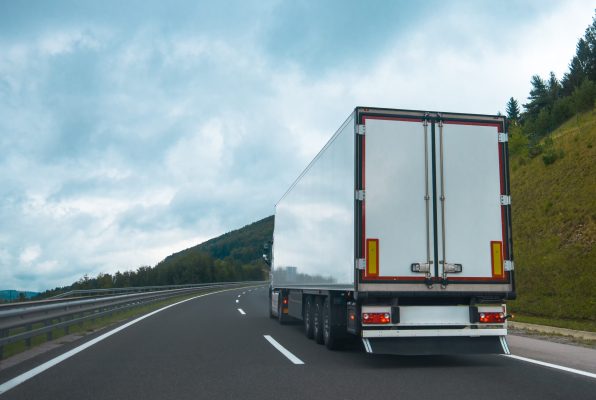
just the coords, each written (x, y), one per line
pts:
(491, 317)
(376, 318)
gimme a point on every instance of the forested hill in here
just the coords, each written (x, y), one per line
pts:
(554, 221)
(236, 255)
(553, 188)
(243, 245)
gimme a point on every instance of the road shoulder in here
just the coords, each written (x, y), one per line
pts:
(567, 355)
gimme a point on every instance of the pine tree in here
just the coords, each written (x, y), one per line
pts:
(572, 79)
(554, 89)
(512, 110)
(590, 57)
(538, 97)
(583, 64)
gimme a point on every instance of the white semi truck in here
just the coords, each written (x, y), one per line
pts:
(399, 232)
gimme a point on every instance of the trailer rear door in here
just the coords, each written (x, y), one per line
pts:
(395, 185)
(433, 191)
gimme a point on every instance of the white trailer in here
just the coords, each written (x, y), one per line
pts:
(399, 232)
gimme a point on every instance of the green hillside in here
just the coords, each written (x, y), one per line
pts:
(554, 222)
(236, 255)
(243, 245)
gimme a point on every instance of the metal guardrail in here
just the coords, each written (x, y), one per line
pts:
(21, 321)
(91, 292)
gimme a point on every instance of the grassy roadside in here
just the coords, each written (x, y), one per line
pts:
(91, 326)
(578, 325)
(554, 226)
(536, 332)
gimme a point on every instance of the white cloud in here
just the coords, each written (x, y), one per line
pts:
(46, 267)
(30, 254)
(201, 154)
(56, 43)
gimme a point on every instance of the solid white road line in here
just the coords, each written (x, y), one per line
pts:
(241, 311)
(545, 364)
(283, 350)
(6, 386)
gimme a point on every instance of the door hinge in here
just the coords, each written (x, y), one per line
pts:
(503, 137)
(509, 265)
(360, 195)
(505, 200)
(361, 264)
(360, 129)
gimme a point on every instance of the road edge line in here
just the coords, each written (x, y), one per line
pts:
(556, 366)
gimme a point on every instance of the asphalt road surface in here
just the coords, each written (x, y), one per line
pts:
(207, 348)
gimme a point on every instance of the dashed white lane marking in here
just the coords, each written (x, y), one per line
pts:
(6, 386)
(237, 301)
(545, 364)
(241, 311)
(239, 295)
(283, 350)
(243, 292)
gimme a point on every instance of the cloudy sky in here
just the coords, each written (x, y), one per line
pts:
(132, 130)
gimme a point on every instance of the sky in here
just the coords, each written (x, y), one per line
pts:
(133, 130)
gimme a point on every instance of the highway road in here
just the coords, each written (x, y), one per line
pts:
(219, 346)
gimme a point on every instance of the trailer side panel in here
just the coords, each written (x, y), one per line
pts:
(314, 224)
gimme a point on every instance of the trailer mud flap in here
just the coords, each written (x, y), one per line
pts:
(410, 346)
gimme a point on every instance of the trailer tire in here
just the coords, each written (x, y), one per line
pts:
(318, 321)
(330, 333)
(308, 317)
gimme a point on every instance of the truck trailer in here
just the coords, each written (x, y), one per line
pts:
(399, 232)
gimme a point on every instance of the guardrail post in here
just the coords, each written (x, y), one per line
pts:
(49, 335)
(28, 340)
(3, 334)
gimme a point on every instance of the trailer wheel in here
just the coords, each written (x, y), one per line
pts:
(330, 334)
(308, 318)
(318, 321)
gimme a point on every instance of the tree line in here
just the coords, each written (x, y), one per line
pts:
(552, 101)
(191, 268)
